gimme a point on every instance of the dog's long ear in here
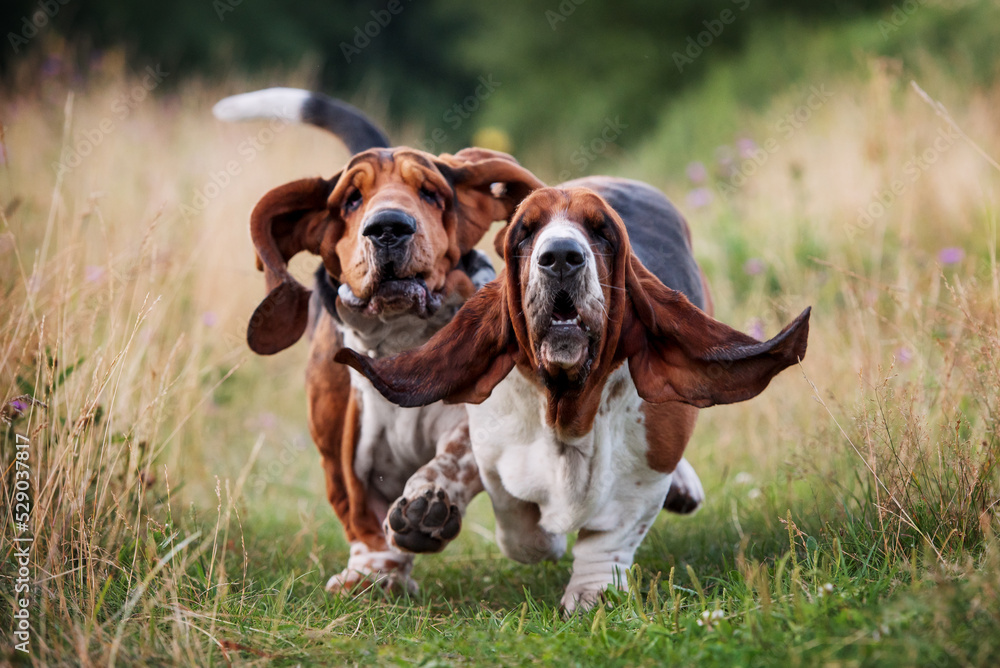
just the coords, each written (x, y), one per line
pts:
(478, 202)
(678, 353)
(287, 220)
(463, 362)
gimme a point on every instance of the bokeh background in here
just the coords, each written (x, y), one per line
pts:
(563, 66)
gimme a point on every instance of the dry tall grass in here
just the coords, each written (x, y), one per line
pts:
(125, 317)
(882, 210)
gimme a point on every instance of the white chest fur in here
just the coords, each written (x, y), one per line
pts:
(393, 442)
(595, 482)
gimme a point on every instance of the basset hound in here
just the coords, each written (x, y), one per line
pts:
(602, 315)
(395, 229)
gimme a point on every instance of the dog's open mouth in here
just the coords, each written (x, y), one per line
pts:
(564, 313)
(565, 346)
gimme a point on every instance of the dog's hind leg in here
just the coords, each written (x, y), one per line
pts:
(519, 533)
(686, 493)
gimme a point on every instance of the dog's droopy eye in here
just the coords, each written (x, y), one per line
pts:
(353, 201)
(523, 234)
(601, 232)
(430, 196)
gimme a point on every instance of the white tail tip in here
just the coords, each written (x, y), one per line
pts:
(281, 103)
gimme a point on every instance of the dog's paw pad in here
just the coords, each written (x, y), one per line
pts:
(425, 523)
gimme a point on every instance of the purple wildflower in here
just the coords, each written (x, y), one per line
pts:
(697, 173)
(699, 198)
(951, 255)
(52, 66)
(267, 420)
(16, 407)
(754, 267)
(756, 329)
(93, 273)
(745, 147)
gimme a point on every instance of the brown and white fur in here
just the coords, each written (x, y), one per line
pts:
(588, 434)
(395, 229)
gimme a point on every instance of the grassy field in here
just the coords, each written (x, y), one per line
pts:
(178, 512)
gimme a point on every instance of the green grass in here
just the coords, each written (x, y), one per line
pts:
(813, 604)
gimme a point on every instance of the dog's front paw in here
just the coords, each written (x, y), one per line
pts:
(372, 567)
(424, 523)
(581, 599)
(351, 582)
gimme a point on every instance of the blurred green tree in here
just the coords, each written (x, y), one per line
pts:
(563, 66)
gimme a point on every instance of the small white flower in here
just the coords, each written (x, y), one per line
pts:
(753, 494)
(826, 589)
(709, 618)
(743, 478)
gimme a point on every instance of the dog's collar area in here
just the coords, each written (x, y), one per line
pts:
(475, 264)
(327, 286)
(478, 267)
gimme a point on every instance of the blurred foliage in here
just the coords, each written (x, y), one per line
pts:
(562, 65)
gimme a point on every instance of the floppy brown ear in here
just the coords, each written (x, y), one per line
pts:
(463, 362)
(678, 353)
(473, 171)
(287, 220)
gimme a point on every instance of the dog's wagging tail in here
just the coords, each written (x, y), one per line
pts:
(292, 105)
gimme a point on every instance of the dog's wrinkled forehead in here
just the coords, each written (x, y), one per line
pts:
(377, 167)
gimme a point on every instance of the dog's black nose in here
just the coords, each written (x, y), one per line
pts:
(389, 228)
(562, 258)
